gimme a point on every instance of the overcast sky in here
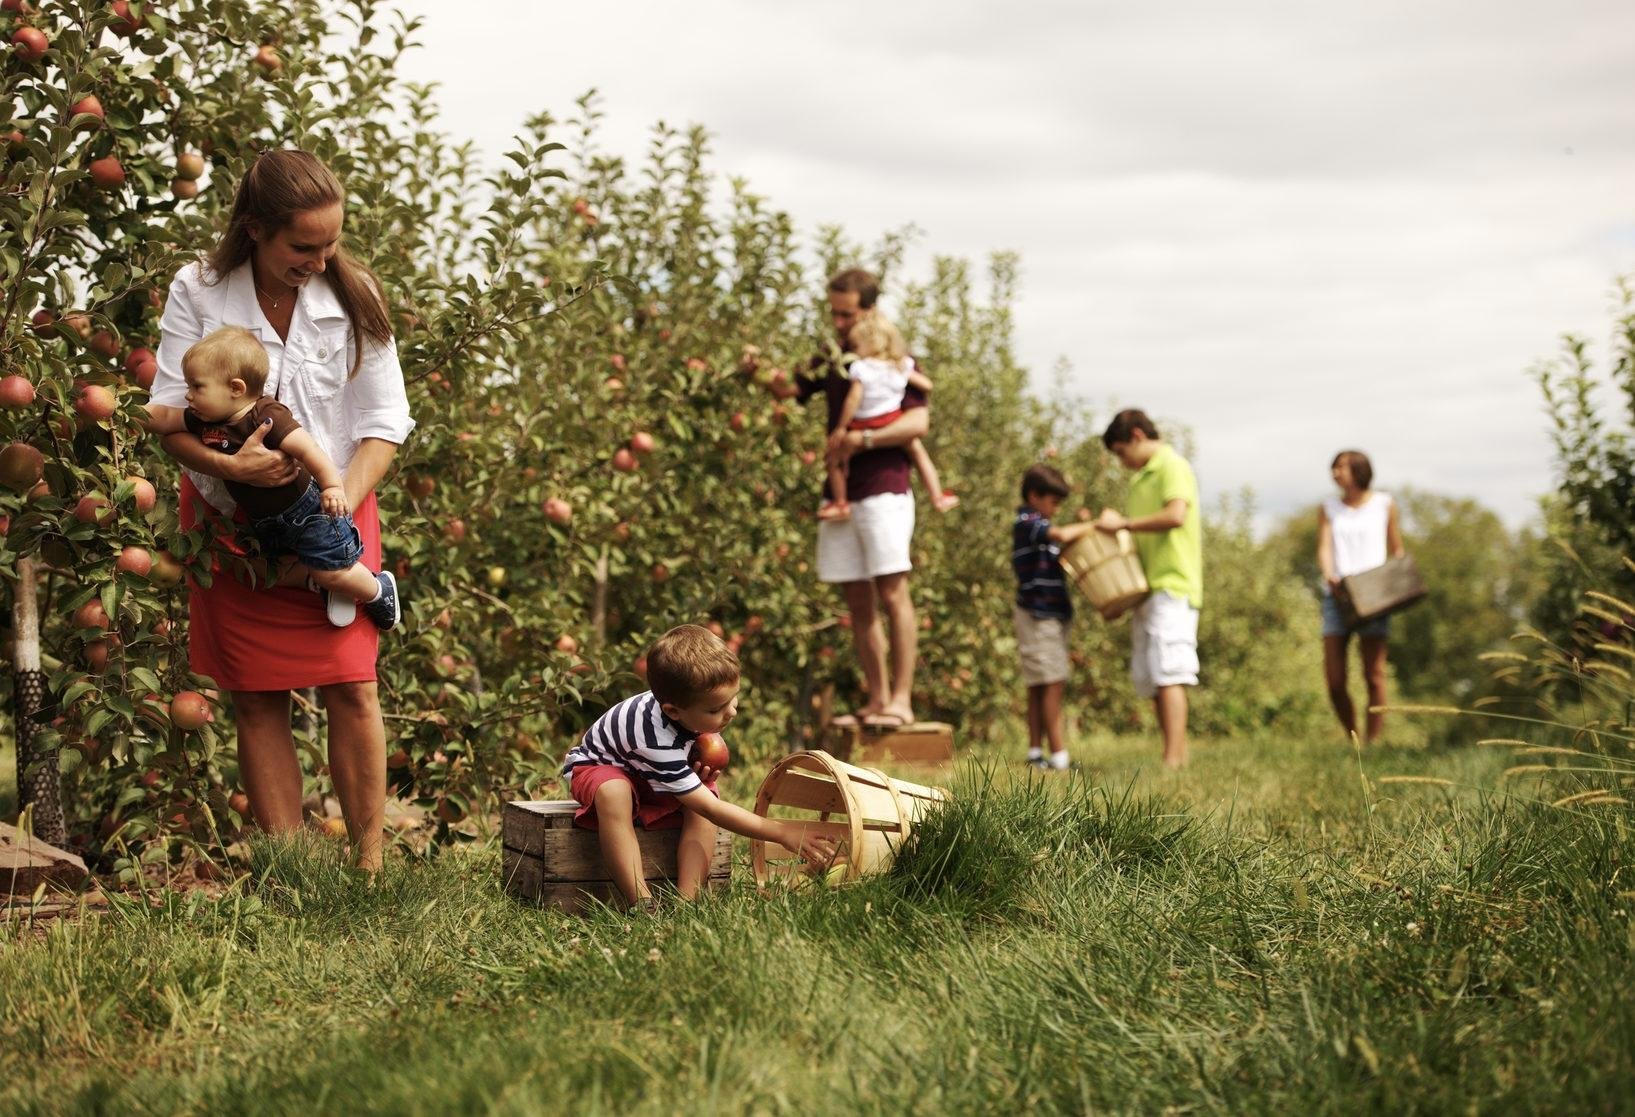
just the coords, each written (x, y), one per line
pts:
(1293, 227)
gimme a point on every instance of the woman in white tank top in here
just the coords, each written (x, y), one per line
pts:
(1356, 531)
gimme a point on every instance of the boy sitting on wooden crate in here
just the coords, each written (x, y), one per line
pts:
(636, 766)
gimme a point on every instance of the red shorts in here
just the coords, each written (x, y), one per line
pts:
(875, 422)
(655, 810)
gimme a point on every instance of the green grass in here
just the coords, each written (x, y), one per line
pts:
(1267, 932)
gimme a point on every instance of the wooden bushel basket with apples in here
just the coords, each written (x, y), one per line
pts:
(1379, 592)
(867, 813)
(1108, 571)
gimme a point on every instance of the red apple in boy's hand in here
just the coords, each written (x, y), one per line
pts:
(712, 751)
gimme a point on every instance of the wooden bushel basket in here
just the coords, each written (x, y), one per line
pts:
(1379, 592)
(868, 814)
(1108, 571)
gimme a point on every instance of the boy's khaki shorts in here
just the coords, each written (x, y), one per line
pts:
(1042, 642)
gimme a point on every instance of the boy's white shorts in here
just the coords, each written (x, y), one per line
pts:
(1163, 643)
(874, 542)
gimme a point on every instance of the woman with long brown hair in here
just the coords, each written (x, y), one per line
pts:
(1356, 531)
(281, 272)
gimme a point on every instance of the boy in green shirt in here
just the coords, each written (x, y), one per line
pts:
(1163, 516)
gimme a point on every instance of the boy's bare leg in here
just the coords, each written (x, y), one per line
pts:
(616, 830)
(1050, 714)
(355, 582)
(693, 857)
(1036, 719)
(1373, 661)
(1171, 705)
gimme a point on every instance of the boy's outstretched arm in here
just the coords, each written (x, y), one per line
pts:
(163, 420)
(810, 844)
(301, 446)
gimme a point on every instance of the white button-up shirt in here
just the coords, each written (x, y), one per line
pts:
(308, 371)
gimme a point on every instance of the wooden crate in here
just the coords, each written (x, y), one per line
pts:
(867, 813)
(923, 742)
(1379, 592)
(547, 859)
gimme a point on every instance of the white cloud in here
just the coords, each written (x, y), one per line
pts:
(1289, 226)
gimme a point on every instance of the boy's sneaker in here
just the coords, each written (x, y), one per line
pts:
(341, 609)
(384, 609)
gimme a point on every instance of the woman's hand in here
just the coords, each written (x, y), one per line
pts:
(256, 465)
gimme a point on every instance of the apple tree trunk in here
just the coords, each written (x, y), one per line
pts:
(39, 785)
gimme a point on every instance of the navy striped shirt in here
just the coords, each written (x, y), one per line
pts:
(636, 736)
(1040, 587)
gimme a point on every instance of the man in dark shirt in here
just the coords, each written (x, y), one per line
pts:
(868, 554)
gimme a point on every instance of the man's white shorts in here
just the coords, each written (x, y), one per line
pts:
(874, 542)
(1164, 643)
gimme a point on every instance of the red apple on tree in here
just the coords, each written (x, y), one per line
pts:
(566, 644)
(87, 106)
(21, 466)
(95, 402)
(30, 43)
(642, 443)
(104, 343)
(123, 23)
(738, 421)
(267, 60)
(456, 530)
(661, 573)
(184, 189)
(557, 510)
(93, 510)
(624, 461)
(189, 165)
(107, 172)
(189, 710)
(143, 494)
(16, 392)
(617, 361)
(92, 615)
(134, 560)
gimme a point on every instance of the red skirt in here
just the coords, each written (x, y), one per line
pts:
(274, 639)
